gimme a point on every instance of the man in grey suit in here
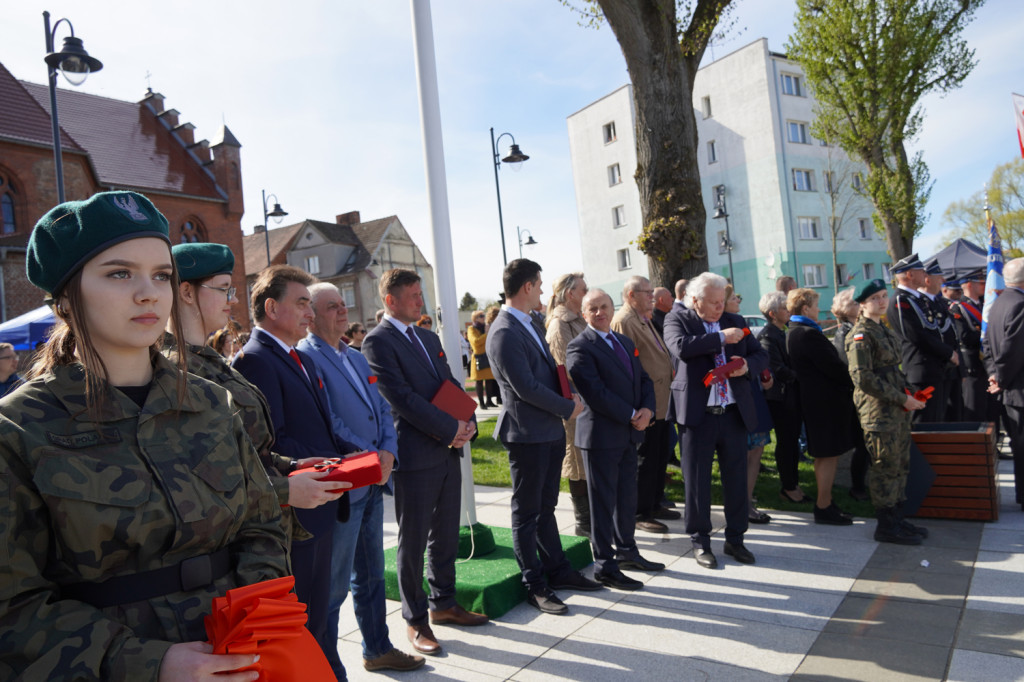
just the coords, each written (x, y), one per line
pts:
(411, 366)
(359, 415)
(530, 427)
(619, 398)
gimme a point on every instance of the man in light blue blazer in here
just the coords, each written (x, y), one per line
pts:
(359, 415)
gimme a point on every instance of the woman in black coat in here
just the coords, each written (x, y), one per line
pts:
(783, 397)
(826, 399)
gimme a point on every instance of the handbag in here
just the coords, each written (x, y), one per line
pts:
(481, 361)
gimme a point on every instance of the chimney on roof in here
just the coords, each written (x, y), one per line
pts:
(351, 218)
(259, 229)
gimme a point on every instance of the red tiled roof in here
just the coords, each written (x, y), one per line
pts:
(255, 246)
(129, 147)
(22, 119)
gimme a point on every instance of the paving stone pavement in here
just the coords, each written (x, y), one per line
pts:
(821, 603)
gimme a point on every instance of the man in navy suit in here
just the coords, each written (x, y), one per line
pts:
(302, 428)
(619, 397)
(411, 366)
(713, 418)
(359, 415)
(530, 427)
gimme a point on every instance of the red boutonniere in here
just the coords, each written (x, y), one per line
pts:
(441, 354)
(371, 379)
(636, 352)
(321, 383)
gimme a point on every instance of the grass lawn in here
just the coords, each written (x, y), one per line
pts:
(490, 467)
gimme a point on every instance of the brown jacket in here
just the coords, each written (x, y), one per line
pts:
(563, 326)
(654, 357)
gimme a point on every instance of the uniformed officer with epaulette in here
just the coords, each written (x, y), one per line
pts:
(978, 402)
(883, 405)
(932, 291)
(925, 355)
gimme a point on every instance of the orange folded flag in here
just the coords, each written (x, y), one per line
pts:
(267, 619)
(359, 470)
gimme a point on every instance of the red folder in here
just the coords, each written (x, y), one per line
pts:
(359, 470)
(721, 374)
(563, 382)
(454, 402)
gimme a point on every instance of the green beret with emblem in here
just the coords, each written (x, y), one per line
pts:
(868, 289)
(73, 232)
(200, 260)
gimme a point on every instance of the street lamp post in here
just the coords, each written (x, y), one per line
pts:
(276, 214)
(76, 65)
(720, 213)
(529, 242)
(515, 156)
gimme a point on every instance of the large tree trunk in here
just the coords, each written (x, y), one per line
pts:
(673, 233)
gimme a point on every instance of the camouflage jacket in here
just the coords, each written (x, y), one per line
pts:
(133, 491)
(879, 383)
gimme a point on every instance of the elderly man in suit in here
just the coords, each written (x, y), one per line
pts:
(717, 417)
(411, 366)
(302, 427)
(1004, 341)
(619, 399)
(633, 320)
(361, 416)
(530, 427)
(662, 304)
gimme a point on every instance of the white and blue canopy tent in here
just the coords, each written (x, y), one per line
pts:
(27, 330)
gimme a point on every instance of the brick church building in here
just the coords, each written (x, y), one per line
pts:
(107, 145)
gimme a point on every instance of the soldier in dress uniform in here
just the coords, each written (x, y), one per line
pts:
(932, 290)
(925, 355)
(884, 407)
(978, 402)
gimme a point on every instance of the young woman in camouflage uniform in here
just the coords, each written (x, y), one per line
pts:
(131, 494)
(884, 408)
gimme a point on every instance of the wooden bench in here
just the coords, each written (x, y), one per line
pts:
(964, 457)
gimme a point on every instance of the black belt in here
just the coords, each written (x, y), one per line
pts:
(188, 575)
(719, 409)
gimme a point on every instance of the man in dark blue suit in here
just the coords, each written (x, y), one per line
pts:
(411, 366)
(302, 428)
(713, 418)
(359, 415)
(530, 426)
(619, 397)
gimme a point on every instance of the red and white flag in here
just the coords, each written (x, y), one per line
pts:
(1018, 112)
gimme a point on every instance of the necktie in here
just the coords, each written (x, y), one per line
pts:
(295, 356)
(416, 344)
(655, 334)
(621, 353)
(723, 387)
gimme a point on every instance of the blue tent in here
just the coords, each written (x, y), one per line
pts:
(26, 331)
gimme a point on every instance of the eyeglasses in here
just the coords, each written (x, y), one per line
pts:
(227, 291)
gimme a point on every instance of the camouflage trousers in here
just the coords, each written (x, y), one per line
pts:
(890, 462)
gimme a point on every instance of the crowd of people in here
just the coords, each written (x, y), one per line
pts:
(151, 460)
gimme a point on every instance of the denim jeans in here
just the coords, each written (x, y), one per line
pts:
(358, 561)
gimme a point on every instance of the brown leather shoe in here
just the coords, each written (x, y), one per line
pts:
(422, 639)
(393, 660)
(457, 615)
(651, 526)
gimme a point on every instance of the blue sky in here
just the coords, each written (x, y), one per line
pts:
(322, 95)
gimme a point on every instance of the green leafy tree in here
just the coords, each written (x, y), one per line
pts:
(869, 63)
(1005, 196)
(468, 302)
(663, 42)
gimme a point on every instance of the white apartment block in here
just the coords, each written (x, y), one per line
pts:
(753, 113)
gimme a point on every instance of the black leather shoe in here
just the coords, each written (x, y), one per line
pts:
(739, 553)
(651, 526)
(574, 581)
(663, 514)
(546, 601)
(831, 516)
(638, 563)
(705, 558)
(759, 517)
(618, 580)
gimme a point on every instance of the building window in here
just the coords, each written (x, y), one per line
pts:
(705, 106)
(618, 216)
(313, 264)
(712, 152)
(623, 258)
(797, 132)
(886, 275)
(814, 276)
(869, 271)
(614, 175)
(842, 274)
(808, 228)
(802, 180)
(864, 226)
(348, 293)
(856, 181)
(7, 214)
(609, 132)
(791, 85)
(191, 232)
(830, 182)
